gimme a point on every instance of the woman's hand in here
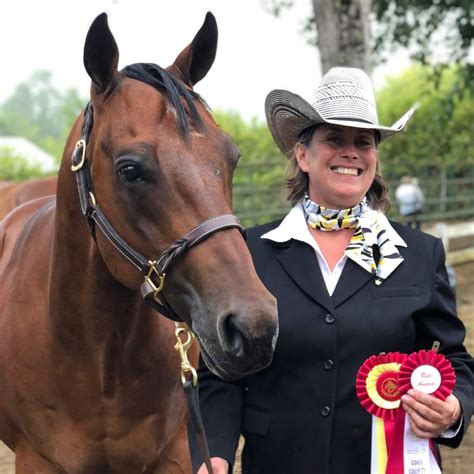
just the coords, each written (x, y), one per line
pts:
(430, 416)
(219, 466)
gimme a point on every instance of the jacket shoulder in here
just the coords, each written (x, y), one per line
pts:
(256, 244)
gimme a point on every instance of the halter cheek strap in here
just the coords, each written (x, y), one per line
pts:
(153, 270)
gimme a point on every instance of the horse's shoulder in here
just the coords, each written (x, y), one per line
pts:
(24, 222)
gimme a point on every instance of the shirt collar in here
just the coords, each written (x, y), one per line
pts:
(294, 226)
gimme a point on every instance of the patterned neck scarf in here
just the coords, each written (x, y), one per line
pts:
(370, 231)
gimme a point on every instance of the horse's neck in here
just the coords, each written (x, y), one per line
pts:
(87, 303)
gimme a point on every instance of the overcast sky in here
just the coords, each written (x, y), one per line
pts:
(256, 52)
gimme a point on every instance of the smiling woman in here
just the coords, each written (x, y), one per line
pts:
(349, 283)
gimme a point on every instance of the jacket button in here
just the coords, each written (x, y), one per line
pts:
(325, 411)
(328, 364)
(329, 318)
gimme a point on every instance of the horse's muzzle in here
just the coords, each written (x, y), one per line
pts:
(242, 343)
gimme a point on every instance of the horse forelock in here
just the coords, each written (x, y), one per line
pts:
(173, 90)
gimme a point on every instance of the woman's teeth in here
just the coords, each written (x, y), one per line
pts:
(349, 171)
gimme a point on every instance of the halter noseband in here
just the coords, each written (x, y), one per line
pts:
(150, 290)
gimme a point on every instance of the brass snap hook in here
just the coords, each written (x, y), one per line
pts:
(182, 347)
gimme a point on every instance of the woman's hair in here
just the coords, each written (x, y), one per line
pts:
(296, 180)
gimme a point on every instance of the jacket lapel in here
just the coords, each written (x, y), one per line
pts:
(300, 263)
(353, 277)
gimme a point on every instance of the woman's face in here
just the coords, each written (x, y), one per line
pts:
(340, 162)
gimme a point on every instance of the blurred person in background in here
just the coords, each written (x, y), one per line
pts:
(410, 201)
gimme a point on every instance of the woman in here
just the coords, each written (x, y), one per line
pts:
(349, 284)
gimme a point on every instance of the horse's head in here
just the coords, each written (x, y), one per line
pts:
(160, 166)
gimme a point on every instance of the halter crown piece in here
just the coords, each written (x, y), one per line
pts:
(370, 230)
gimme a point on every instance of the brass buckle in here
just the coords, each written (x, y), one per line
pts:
(182, 347)
(79, 143)
(156, 289)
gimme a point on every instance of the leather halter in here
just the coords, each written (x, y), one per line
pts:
(150, 268)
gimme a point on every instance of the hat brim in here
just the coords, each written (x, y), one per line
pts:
(289, 114)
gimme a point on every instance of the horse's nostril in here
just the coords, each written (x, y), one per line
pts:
(231, 336)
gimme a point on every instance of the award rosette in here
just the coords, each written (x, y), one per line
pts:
(428, 372)
(377, 388)
(431, 373)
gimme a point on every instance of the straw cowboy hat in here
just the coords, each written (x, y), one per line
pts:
(345, 96)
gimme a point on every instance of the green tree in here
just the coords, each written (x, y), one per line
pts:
(440, 135)
(258, 177)
(16, 168)
(424, 25)
(438, 144)
(39, 112)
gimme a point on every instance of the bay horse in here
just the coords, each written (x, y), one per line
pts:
(13, 194)
(89, 380)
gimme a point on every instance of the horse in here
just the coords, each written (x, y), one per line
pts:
(13, 194)
(89, 379)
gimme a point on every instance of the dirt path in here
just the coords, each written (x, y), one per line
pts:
(459, 461)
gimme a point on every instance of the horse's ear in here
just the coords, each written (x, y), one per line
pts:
(196, 59)
(100, 53)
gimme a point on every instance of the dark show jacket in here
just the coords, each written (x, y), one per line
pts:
(301, 415)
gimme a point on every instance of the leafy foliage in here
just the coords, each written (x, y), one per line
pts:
(16, 168)
(276, 7)
(39, 112)
(424, 25)
(438, 144)
(258, 178)
(441, 132)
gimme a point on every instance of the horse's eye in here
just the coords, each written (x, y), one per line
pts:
(130, 173)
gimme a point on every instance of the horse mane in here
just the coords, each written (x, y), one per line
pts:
(172, 88)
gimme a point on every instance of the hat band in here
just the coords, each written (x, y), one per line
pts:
(350, 119)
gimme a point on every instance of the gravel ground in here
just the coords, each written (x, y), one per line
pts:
(459, 461)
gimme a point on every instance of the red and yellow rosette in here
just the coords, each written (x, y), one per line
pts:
(429, 372)
(378, 392)
(377, 384)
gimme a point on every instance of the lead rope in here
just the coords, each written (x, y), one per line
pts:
(190, 387)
